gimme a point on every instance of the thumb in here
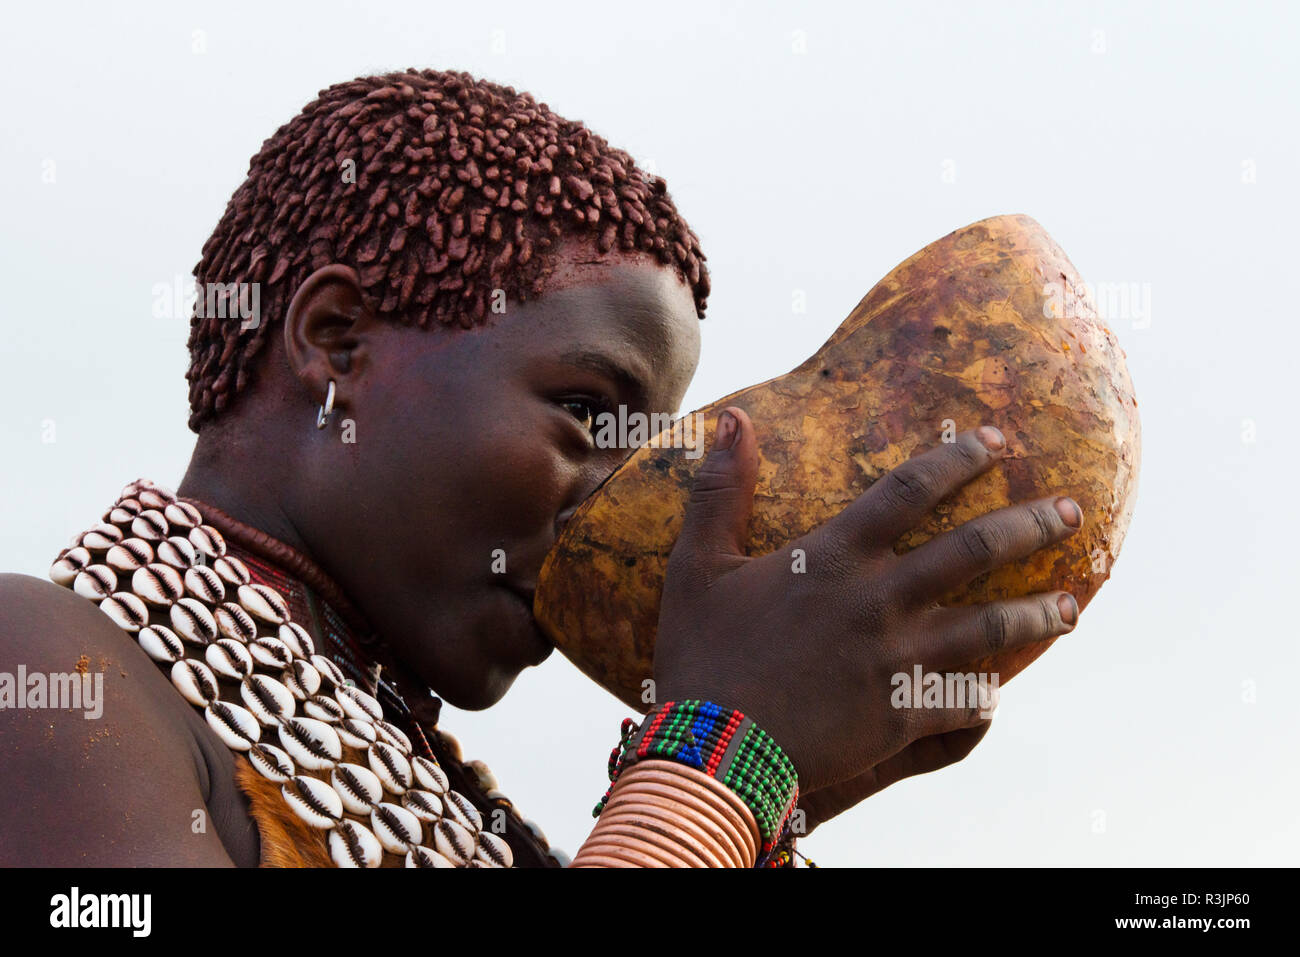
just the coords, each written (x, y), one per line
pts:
(722, 499)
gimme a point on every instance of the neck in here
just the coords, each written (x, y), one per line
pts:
(224, 471)
(228, 473)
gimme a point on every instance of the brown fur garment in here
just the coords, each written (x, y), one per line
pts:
(287, 840)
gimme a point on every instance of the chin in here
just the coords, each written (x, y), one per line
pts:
(477, 695)
(502, 642)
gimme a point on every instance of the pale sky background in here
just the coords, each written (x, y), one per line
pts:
(810, 150)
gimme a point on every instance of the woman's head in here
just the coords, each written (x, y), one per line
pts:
(447, 194)
(491, 279)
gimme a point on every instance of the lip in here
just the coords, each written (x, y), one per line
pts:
(525, 594)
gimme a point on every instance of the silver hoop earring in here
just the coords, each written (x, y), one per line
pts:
(327, 409)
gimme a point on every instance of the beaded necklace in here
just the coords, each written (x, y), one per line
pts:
(259, 638)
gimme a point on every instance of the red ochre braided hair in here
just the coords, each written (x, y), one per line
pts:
(443, 191)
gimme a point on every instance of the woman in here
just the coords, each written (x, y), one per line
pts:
(448, 284)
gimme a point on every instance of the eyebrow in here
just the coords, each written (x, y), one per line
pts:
(603, 364)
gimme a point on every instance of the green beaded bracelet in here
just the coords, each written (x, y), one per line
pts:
(725, 745)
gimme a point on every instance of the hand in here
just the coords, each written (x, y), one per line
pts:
(810, 656)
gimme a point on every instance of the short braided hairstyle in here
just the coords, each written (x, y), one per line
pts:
(459, 187)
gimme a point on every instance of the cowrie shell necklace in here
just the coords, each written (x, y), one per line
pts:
(158, 571)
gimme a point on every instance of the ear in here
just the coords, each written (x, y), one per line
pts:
(326, 333)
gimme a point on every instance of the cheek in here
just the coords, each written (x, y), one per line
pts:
(480, 473)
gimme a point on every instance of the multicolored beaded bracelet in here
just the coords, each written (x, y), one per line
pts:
(725, 745)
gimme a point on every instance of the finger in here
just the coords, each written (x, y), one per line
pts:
(964, 704)
(952, 559)
(940, 750)
(967, 633)
(904, 496)
(716, 525)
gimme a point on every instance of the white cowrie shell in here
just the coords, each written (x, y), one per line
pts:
(425, 805)
(323, 709)
(493, 850)
(129, 555)
(232, 570)
(74, 560)
(208, 541)
(268, 699)
(264, 603)
(537, 832)
(297, 640)
(127, 611)
(149, 525)
(396, 827)
(235, 726)
(358, 704)
(352, 845)
(391, 766)
(391, 734)
(177, 552)
(429, 775)
(426, 857)
(487, 781)
(95, 582)
(271, 653)
(358, 787)
(193, 622)
(357, 734)
(453, 842)
(204, 584)
(123, 511)
(234, 622)
(100, 538)
(302, 679)
(131, 488)
(271, 762)
(158, 584)
(460, 809)
(314, 801)
(229, 658)
(161, 643)
(329, 671)
(450, 744)
(195, 681)
(182, 515)
(155, 497)
(312, 744)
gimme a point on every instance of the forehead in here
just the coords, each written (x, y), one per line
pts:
(633, 310)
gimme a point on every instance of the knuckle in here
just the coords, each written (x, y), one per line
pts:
(1050, 616)
(964, 450)
(978, 542)
(910, 485)
(996, 624)
(1044, 526)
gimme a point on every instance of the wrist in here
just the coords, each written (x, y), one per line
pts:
(723, 745)
(665, 814)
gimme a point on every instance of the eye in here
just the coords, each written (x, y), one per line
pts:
(582, 408)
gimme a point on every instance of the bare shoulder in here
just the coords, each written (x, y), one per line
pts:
(104, 763)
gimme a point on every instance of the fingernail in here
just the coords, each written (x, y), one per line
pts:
(1069, 608)
(726, 432)
(1069, 512)
(993, 439)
